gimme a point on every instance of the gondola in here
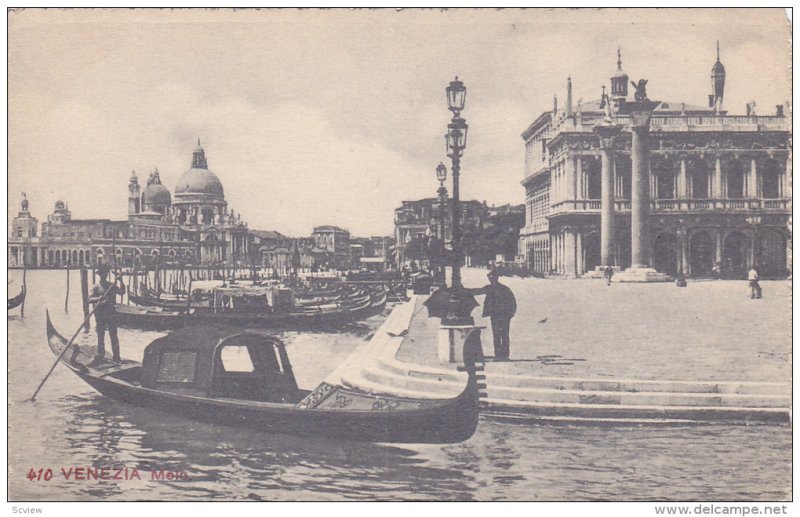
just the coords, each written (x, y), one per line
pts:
(246, 380)
(305, 318)
(149, 298)
(17, 300)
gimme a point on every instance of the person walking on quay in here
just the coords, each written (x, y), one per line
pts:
(499, 305)
(104, 295)
(752, 278)
(608, 273)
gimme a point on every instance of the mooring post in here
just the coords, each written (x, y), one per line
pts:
(24, 289)
(85, 296)
(66, 297)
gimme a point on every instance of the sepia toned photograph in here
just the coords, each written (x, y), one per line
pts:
(539, 255)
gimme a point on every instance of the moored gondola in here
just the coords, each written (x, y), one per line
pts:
(17, 300)
(301, 318)
(246, 380)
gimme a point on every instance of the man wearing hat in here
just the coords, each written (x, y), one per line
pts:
(499, 305)
(104, 295)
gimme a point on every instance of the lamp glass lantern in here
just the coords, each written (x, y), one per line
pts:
(457, 134)
(456, 95)
(441, 172)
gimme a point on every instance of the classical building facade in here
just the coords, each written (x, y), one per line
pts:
(336, 242)
(195, 228)
(423, 217)
(717, 187)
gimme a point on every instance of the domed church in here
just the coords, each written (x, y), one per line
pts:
(198, 208)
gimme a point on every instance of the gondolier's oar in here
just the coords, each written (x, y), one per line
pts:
(69, 343)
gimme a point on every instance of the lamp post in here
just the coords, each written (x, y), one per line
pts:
(454, 304)
(754, 221)
(441, 175)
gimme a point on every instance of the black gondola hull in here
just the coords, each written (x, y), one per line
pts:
(449, 420)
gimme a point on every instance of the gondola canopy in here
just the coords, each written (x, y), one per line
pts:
(208, 361)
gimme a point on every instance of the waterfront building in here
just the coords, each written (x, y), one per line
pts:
(197, 227)
(335, 241)
(719, 187)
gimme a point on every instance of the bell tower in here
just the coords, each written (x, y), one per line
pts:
(717, 84)
(133, 195)
(619, 84)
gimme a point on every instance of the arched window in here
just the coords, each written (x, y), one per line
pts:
(735, 179)
(592, 172)
(770, 175)
(699, 174)
(622, 173)
(665, 177)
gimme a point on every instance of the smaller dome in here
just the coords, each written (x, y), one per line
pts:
(156, 194)
(59, 205)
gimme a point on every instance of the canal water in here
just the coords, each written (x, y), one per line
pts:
(71, 426)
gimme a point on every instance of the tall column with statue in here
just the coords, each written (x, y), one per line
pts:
(640, 113)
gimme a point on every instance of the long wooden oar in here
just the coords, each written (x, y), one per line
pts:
(69, 343)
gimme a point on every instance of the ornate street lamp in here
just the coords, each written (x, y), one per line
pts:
(441, 175)
(754, 221)
(454, 304)
(456, 96)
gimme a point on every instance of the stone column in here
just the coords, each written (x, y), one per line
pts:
(569, 253)
(683, 257)
(683, 183)
(570, 174)
(640, 182)
(607, 133)
(752, 180)
(717, 193)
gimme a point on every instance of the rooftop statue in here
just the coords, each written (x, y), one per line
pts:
(641, 90)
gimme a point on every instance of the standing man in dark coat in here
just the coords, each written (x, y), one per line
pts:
(104, 296)
(499, 305)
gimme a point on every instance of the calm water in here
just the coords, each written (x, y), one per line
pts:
(70, 425)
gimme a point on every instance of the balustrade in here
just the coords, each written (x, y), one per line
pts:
(587, 205)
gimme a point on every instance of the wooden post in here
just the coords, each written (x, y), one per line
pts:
(24, 289)
(85, 295)
(66, 297)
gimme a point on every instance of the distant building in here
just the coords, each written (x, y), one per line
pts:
(719, 187)
(195, 228)
(336, 241)
(421, 218)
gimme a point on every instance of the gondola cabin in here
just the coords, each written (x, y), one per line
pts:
(197, 361)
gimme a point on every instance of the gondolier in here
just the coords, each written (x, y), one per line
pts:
(104, 295)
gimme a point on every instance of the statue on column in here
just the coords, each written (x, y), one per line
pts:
(641, 90)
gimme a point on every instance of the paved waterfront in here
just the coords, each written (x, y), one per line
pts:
(708, 331)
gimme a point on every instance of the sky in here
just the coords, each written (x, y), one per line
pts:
(313, 117)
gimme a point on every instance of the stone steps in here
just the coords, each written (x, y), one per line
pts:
(520, 398)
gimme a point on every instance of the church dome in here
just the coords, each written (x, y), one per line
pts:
(156, 194)
(198, 179)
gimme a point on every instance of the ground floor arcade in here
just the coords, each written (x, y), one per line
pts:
(724, 246)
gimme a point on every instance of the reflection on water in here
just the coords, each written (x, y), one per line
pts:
(70, 425)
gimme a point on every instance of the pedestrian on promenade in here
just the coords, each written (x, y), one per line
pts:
(499, 305)
(104, 295)
(752, 278)
(608, 273)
